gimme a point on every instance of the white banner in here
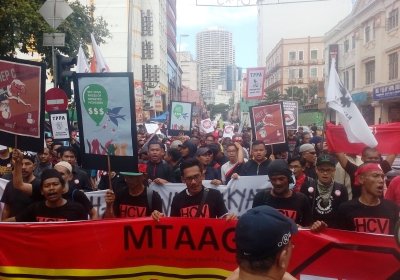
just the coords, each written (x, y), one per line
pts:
(238, 194)
(3, 184)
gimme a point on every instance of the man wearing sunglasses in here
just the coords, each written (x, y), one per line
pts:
(308, 152)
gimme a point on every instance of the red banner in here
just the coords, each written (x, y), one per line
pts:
(177, 248)
(387, 136)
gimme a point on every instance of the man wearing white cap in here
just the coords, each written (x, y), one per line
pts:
(308, 152)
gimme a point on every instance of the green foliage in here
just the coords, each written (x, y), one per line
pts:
(219, 109)
(272, 96)
(21, 26)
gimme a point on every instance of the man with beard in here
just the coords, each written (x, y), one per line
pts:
(309, 154)
(369, 212)
(258, 165)
(16, 201)
(325, 195)
(293, 205)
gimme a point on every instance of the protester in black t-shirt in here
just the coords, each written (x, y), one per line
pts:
(54, 208)
(308, 153)
(15, 200)
(158, 171)
(259, 162)
(34, 190)
(325, 195)
(196, 200)
(368, 155)
(134, 201)
(294, 205)
(173, 158)
(204, 155)
(369, 212)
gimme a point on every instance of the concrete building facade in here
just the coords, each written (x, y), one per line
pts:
(297, 62)
(190, 71)
(367, 47)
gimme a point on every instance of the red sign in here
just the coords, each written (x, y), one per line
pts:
(56, 100)
(177, 248)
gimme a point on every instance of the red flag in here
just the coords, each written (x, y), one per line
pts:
(387, 135)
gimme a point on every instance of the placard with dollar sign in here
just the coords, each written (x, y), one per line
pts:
(95, 101)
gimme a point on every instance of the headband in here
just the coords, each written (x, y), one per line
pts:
(368, 167)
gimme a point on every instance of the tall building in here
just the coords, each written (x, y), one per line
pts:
(142, 42)
(189, 70)
(297, 62)
(214, 53)
(367, 50)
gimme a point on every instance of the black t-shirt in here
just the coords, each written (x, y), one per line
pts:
(355, 216)
(325, 211)
(17, 200)
(252, 168)
(73, 194)
(159, 170)
(81, 179)
(184, 205)
(5, 167)
(212, 173)
(128, 206)
(39, 212)
(295, 207)
(351, 169)
(311, 172)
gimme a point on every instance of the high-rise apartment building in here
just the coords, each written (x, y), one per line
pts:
(214, 53)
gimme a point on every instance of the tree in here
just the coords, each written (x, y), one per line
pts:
(272, 96)
(22, 28)
(297, 94)
(219, 109)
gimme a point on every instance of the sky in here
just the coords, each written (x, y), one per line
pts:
(285, 21)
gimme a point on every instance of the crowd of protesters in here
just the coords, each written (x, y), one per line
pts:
(314, 188)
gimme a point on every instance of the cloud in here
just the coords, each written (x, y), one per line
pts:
(189, 15)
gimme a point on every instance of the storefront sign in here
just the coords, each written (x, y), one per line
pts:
(386, 92)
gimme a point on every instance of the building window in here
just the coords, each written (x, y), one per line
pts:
(314, 54)
(301, 73)
(292, 74)
(353, 42)
(292, 55)
(393, 20)
(346, 79)
(367, 34)
(370, 72)
(346, 45)
(301, 55)
(353, 78)
(313, 72)
(393, 66)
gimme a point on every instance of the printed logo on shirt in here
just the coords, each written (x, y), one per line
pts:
(190, 212)
(372, 225)
(131, 211)
(48, 219)
(323, 206)
(289, 213)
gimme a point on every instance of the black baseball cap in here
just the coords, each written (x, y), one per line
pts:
(326, 159)
(262, 232)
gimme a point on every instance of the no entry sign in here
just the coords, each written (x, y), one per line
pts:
(56, 100)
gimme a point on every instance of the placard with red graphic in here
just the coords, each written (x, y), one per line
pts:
(22, 86)
(267, 123)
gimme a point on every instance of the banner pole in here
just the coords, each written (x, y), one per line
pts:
(15, 141)
(109, 172)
